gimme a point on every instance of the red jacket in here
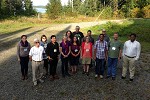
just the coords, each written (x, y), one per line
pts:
(83, 43)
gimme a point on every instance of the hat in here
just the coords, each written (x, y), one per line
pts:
(36, 40)
(103, 30)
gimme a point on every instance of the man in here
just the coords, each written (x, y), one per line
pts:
(131, 53)
(36, 56)
(114, 55)
(100, 55)
(52, 52)
(89, 34)
(106, 37)
(78, 34)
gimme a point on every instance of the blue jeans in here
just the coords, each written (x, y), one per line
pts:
(112, 66)
(99, 69)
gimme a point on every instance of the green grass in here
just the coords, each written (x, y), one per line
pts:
(139, 26)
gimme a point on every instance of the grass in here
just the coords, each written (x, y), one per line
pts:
(139, 26)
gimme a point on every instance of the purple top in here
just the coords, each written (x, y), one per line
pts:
(75, 49)
(65, 47)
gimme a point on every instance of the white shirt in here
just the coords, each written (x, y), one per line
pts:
(37, 53)
(132, 49)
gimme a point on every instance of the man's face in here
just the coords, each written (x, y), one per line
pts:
(101, 37)
(53, 39)
(89, 33)
(132, 38)
(77, 29)
(104, 32)
(37, 44)
(115, 36)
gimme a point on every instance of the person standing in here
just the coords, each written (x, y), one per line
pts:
(106, 37)
(78, 34)
(69, 36)
(36, 56)
(86, 55)
(43, 43)
(52, 52)
(131, 53)
(23, 49)
(75, 55)
(100, 55)
(114, 55)
(65, 49)
(89, 34)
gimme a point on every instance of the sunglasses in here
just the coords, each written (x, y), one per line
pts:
(37, 42)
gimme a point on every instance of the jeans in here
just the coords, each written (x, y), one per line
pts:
(99, 69)
(24, 65)
(46, 66)
(112, 66)
(53, 66)
(64, 66)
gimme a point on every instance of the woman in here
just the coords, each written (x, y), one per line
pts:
(75, 54)
(69, 36)
(86, 55)
(43, 43)
(65, 51)
(23, 49)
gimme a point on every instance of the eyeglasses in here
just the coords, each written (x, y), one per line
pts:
(43, 38)
(37, 42)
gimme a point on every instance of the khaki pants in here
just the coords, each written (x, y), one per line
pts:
(128, 62)
(37, 70)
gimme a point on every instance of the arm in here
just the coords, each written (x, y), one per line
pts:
(69, 50)
(30, 55)
(79, 51)
(18, 52)
(60, 49)
(106, 51)
(138, 51)
(48, 51)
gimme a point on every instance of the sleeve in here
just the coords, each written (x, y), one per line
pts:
(106, 46)
(82, 36)
(58, 49)
(30, 53)
(48, 49)
(124, 49)
(60, 44)
(95, 46)
(138, 51)
(18, 51)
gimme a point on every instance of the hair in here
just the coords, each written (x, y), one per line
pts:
(43, 36)
(24, 36)
(89, 31)
(101, 34)
(76, 41)
(70, 33)
(53, 36)
(78, 27)
(116, 33)
(133, 34)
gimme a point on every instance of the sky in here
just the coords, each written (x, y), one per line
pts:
(44, 2)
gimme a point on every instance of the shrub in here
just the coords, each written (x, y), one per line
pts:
(146, 11)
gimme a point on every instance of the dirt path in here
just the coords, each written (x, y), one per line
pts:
(76, 87)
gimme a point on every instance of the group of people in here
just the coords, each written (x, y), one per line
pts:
(74, 46)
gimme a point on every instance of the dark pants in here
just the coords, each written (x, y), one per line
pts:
(24, 65)
(53, 66)
(64, 66)
(99, 69)
(46, 65)
(112, 66)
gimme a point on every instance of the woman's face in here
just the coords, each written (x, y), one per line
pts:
(87, 39)
(24, 39)
(43, 39)
(68, 33)
(75, 39)
(65, 38)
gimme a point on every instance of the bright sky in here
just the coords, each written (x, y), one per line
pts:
(44, 2)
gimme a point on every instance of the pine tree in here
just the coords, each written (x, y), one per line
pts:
(28, 7)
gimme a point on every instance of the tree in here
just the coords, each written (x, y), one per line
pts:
(54, 9)
(28, 7)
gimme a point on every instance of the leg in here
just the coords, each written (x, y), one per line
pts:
(132, 68)
(55, 66)
(46, 66)
(114, 67)
(125, 65)
(34, 71)
(51, 67)
(102, 67)
(109, 67)
(62, 67)
(97, 67)
(66, 65)
(22, 67)
(26, 67)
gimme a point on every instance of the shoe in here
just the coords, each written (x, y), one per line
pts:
(83, 72)
(87, 73)
(113, 78)
(96, 76)
(123, 77)
(35, 83)
(23, 78)
(26, 77)
(63, 76)
(56, 77)
(42, 81)
(68, 74)
(107, 77)
(101, 76)
(51, 78)
(131, 80)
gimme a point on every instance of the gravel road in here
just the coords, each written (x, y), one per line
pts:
(77, 87)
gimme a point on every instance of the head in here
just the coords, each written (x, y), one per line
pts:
(53, 38)
(24, 38)
(101, 37)
(36, 42)
(74, 39)
(87, 39)
(77, 28)
(43, 38)
(104, 31)
(89, 32)
(68, 33)
(116, 36)
(132, 37)
(64, 38)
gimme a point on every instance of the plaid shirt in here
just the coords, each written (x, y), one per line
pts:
(100, 47)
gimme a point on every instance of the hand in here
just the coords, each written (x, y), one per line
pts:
(18, 60)
(119, 58)
(50, 58)
(94, 58)
(136, 59)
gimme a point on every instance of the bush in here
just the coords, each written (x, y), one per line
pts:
(146, 11)
(137, 13)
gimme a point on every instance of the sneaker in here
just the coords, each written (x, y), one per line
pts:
(123, 77)
(87, 73)
(107, 77)
(35, 83)
(23, 78)
(101, 76)
(51, 78)
(41, 80)
(96, 76)
(56, 77)
(131, 80)
(83, 72)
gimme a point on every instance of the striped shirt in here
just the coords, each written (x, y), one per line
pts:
(100, 47)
